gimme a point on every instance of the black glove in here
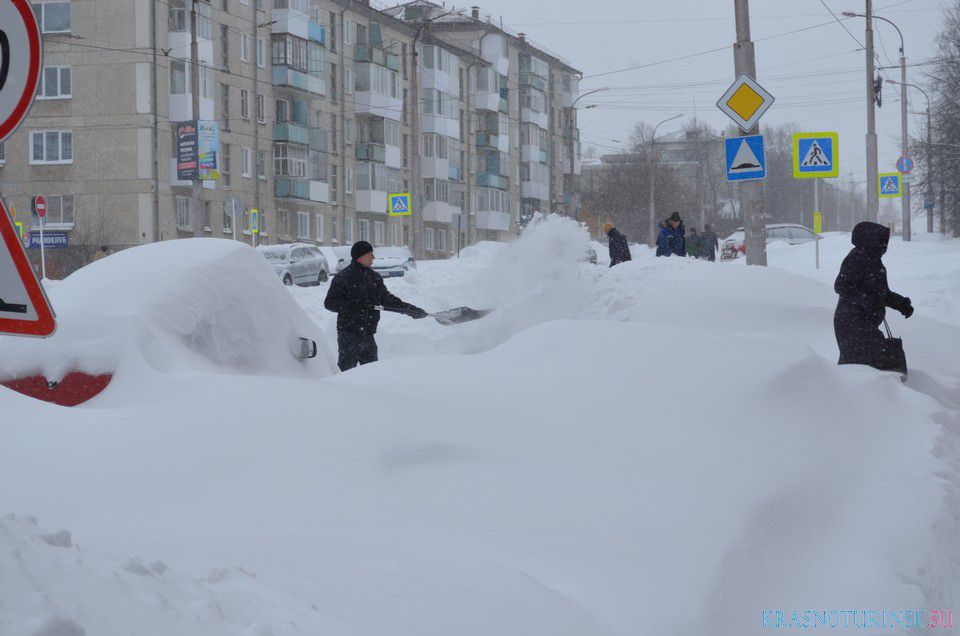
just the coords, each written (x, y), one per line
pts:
(906, 308)
(416, 313)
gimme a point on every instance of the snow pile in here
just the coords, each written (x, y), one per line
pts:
(665, 447)
(94, 593)
(202, 304)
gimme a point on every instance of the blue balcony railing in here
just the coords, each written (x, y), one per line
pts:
(486, 140)
(317, 32)
(371, 152)
(291, 187)
(291, 132)
(286, 76)
(486, 179)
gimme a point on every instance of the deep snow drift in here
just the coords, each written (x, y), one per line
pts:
(667, 447)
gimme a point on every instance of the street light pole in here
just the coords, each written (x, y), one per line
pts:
(573, 209)
(652, 227)
(928, 196)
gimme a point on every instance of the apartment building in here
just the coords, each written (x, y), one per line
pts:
(314, 104)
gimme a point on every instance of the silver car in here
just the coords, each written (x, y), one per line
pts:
(297, 263)
(790, 233)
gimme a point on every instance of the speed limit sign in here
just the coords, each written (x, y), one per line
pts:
(20, 63)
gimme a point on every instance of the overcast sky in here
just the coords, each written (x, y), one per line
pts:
(816, 75)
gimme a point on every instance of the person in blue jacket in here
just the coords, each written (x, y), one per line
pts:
(670, 241)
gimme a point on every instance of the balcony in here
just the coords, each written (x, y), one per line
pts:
(486, 140)
(567, 133)
(317, 32)
(290, 187)
(367, 53)
(454, 173)
(487, 179)
(291, 132)
(534, 81)
(371, 151)
(286, 76)
(504, 105)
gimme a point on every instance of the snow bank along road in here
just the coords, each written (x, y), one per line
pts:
(666, 447)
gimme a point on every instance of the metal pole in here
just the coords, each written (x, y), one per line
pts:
(751, 191)
(572, 208)
(816, 211)
(195, 114)
(155, 138)
(255, 120)
(43, 258)
(652, 227)
(928, 197)
(905, 201)
(873, 198)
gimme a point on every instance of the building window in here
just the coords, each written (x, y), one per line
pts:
(183, 213)
(204, 22)
(364, 230)
(60, 212)
(320, 227)
(334, 185)
(333, 132)
(290, 160)
(396, 234)
(205, 216)
(56, 83)
(51, 146)
(284, 218)
(206, 82)
(224, 47)
(225, 167)
(178, 77)
(244, 104)
(225, 105)
(245, 162)
(348, 180)
(348, 81)
(303, 225)
(261, 108)
(282, 109)
(349, 231)
(441, 241)
(333, 83)
(347, 31)
(430, 241)
(244, 47)
(348, 131)
(379, 229)
(177, 17)
(227, 220)
(333, 229)
(54, 17)
(261, 53)
(261, 164)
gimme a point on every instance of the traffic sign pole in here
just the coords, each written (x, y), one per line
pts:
(816, 211)
(43, 258)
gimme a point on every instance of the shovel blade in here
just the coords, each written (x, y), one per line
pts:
(458, 315)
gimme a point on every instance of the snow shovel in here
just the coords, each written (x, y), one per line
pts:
(453, 316)
(896, 358)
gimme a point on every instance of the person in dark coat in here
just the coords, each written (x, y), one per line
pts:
(670, 239)
(709, 243)
(693, 244)
(352, 295)
(617, 243)
(864, 297)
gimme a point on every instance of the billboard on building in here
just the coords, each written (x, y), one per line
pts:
(208, 149)
(186, 150)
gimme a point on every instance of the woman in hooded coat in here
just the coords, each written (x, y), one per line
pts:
(864, 297)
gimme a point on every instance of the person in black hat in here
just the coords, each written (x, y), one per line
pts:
(864, 297)
(353, 294)
(670, 241)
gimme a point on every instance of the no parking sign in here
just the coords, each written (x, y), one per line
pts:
(20, 63)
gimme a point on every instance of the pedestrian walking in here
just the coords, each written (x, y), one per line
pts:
(617, 244)
(709, 243)
(670, 240)
(864, 297)
(693, 243)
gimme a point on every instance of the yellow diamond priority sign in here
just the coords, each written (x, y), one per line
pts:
(745, 102)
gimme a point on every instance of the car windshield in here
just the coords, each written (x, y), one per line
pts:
(738, 237)
(274, 254)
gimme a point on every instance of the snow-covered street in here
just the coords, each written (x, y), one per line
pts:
(663, 447)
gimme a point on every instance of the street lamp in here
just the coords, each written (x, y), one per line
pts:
(652, 233)
(572, 207)
(928, 197)
(905, 199)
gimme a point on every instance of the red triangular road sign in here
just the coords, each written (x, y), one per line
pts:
(24, 308)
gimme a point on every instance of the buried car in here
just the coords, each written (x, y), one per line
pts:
(393, 261)
(790, 233)
(209, 306)
(297, 263)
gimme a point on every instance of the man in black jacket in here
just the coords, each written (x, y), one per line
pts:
(352, 295)
(617, 242)
(709, 243)
(864, 297)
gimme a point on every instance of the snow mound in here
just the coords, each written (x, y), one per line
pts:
(196, 304)
(68, 591)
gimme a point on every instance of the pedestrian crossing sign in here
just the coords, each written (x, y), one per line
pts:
(889, 185)
(815, 155)
(400, 204)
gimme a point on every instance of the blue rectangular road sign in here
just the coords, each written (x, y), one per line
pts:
(816, 155)
(746, 158)
(399, 204)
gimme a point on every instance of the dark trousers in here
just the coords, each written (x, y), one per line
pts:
(355, 349)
